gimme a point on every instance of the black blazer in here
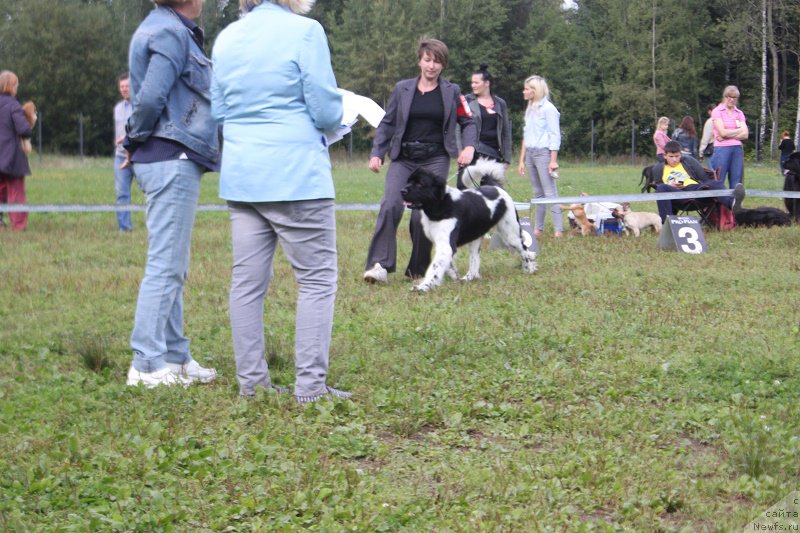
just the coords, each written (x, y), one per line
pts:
(503, 124)
(389, 134)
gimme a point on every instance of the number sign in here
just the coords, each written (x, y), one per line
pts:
(527, 237)
(684, 234)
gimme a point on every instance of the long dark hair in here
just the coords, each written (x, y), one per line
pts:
(687, 125)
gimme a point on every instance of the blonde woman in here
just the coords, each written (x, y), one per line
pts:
(274, 91)
(540, 145)
(661, 138)
(730, 129)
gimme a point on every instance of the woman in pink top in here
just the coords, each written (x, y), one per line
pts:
(660, 137)
(730, 129)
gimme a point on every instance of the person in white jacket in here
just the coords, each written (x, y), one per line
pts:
(274, 91)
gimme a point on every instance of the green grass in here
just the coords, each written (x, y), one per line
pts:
(619, 388)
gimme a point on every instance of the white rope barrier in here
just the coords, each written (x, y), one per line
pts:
(616, 198)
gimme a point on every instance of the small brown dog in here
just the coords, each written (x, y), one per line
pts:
(637, 221)
(29, 108)
(586, 226)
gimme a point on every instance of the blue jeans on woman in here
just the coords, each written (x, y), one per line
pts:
(730, 162)
(123, 179)
(171, 190)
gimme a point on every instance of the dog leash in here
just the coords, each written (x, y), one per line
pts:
(468, 173)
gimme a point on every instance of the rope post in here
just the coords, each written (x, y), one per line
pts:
(39, 136)
(758, 143)
(80, 134)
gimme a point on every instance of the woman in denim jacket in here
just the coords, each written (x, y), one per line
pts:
(172, 141)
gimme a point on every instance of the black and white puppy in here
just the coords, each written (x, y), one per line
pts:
(451, 218)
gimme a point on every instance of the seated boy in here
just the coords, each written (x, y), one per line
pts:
(681, 172)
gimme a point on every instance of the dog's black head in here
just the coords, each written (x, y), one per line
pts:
(424, 188)
(793, 163)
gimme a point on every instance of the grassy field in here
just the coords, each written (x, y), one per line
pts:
(620, 388)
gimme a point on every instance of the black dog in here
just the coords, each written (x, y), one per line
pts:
(758, 217)
(451, 218)
(762, 217)
(791, 183)
(649, 181)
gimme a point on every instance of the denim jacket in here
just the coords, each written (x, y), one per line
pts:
(170, 79)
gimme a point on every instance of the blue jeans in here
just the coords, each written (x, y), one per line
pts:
(123, 178)
(665, 207)
(171, 190)
(730, 162)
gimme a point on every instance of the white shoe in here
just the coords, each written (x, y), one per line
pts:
(165, 376)
(192, 371)
(376, 274)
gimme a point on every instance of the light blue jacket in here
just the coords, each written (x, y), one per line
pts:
(274, 90)
(542, 128)
(170, 77)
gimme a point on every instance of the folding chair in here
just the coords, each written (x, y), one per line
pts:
(707, 209)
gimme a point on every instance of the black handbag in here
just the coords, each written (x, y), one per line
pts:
(419, 151)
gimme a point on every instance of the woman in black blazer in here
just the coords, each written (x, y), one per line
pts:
(491, 121)
(418, 131)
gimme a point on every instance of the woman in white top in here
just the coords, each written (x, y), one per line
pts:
(540, 144)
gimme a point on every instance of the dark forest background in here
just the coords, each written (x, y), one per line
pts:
(617, 64)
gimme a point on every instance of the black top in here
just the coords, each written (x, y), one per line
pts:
(786, 147)
(489, 128)
(426, 118)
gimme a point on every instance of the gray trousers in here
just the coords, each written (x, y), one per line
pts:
(383, 248)
(307, 233)
(537, 161)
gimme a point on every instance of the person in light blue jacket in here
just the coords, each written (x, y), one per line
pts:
(275, 93)
(539, 155)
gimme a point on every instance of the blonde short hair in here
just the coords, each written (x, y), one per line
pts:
(300, 7)
(8, 80)
(731, 90)
(662, 120)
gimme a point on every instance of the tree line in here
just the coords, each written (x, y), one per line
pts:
(614, 66)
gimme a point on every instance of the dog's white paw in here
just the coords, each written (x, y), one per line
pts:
(529, 265)
(421, 287)
(470, 277)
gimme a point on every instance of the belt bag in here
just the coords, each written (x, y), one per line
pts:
(419, 151)
(485, 149)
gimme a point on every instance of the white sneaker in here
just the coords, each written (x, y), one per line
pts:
(376, 274)
(165, 376)
(192, 371)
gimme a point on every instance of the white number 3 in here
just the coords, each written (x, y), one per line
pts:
(689, 242)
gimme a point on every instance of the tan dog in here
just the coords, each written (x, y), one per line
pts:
(637, 221)
(587, 227)
(29, 108)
